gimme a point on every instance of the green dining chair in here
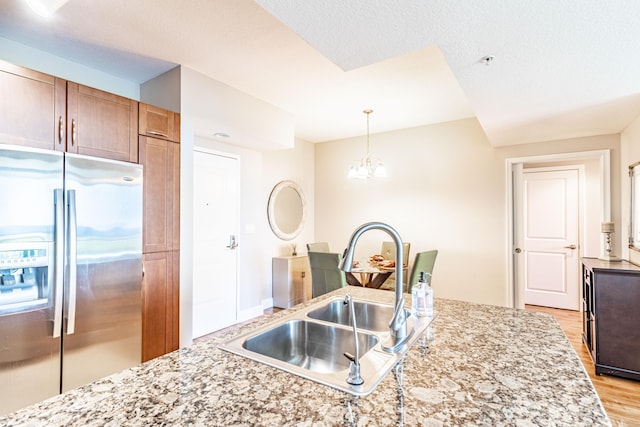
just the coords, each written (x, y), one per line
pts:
(388, 250)
(325, 274)
(424, 261)
(318, 247)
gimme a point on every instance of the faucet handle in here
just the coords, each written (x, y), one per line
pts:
(354, 377)
(349, 356)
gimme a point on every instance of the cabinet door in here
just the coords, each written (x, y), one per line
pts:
(301, 286)
(156, 287)
(175, 197)
(159, 123)
(617, 318)
(32, 108)
(101, 124)
(157, 156)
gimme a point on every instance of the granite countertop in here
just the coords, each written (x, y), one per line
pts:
(485, 366)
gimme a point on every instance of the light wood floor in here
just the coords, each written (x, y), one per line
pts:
(620, 397)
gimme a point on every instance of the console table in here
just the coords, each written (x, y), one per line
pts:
(291, 281)
(611, 316)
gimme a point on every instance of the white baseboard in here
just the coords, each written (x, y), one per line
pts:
(250, 313)
(267, 303)
(255, 311)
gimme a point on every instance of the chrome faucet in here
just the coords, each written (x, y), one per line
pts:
(398, 324)
(354, 377)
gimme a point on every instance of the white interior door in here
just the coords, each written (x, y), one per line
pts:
(550, 222)
(216, 195)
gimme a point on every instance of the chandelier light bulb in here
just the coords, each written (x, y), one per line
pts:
(380, 171)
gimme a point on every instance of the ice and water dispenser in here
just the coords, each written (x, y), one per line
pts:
(24, 275)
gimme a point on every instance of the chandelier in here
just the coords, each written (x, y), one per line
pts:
(368, 168)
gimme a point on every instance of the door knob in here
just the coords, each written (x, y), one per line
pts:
(518, 250)
(570, 247)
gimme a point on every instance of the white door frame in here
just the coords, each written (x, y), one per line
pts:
(514, 294)
(239, 250)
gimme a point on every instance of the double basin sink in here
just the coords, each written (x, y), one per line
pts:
(311, 343)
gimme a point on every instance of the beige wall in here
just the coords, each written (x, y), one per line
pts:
(294, 164)
(259, 171)
(446, 190)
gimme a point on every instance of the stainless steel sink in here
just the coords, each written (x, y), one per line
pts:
(370, 316)
(310, 343)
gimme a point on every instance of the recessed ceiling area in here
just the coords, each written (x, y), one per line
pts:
(563, 69)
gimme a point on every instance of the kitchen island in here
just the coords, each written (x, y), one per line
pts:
(483, 366)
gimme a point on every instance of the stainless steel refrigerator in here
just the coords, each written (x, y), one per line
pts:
(70, 272)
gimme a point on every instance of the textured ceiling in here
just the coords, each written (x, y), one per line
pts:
(562, 69)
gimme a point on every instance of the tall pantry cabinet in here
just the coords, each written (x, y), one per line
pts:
(159, 152)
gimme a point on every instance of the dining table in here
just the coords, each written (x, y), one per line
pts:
(370, 276)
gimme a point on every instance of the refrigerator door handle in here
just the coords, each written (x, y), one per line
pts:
(72, 230)
(58, 260)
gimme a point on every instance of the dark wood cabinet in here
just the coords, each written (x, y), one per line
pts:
(32, 108)
(101, 124)
(43, 111)
(160, 157)
(160, 302)
(161, 160)
(159, 123)
(611, 316)
(157, 156)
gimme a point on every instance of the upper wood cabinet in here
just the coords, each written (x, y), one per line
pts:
(42, 111)
(159, 123)
(32, 107)
(101, 124)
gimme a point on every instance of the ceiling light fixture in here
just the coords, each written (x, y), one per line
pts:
(367, 169)
(45, 8)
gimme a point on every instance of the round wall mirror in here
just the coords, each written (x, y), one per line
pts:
(286, 210)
